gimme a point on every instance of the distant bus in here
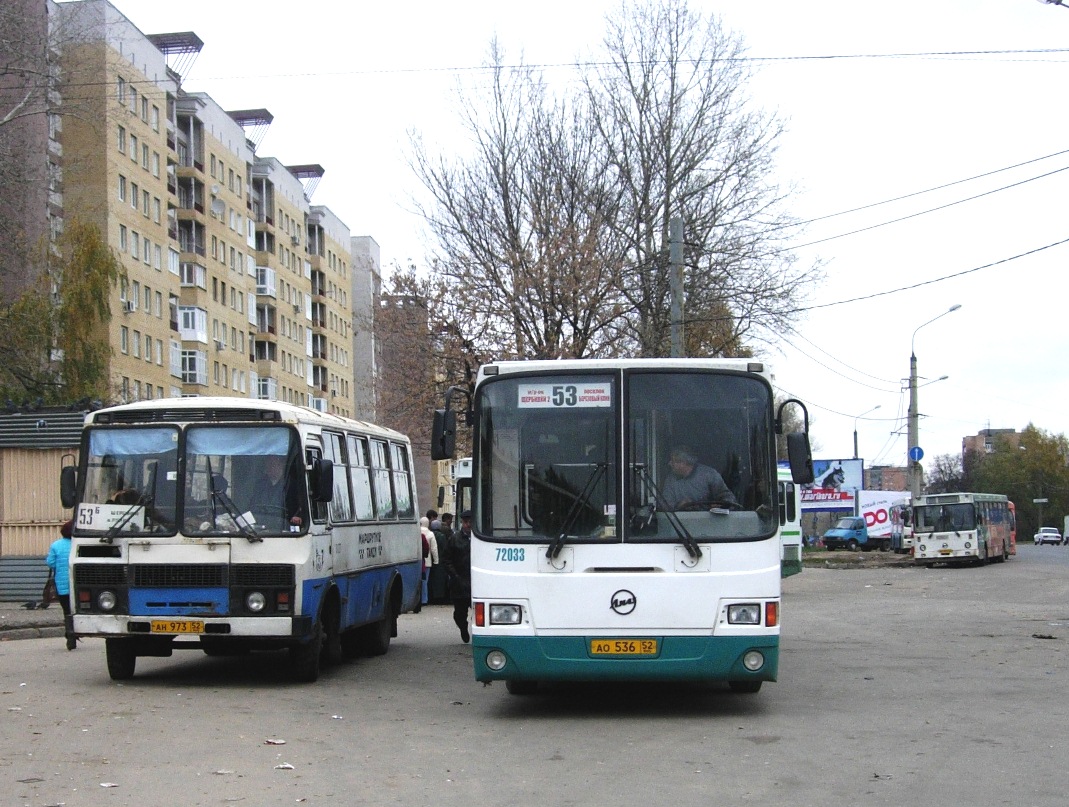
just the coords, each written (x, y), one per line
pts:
(901, 516)
(961, 528)
(230, 525)
(790, 519)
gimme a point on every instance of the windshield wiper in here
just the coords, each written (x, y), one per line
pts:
(581, 501)
(218, 493)
(123, 520)
(685, 537)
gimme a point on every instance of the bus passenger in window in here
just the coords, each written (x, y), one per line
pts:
(693, 486)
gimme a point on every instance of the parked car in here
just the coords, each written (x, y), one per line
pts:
(1047, 535)
(851, 533)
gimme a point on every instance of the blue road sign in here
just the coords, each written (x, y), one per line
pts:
(916, 453)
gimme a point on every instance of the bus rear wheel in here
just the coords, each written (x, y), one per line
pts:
(378, 634)
(121, 657)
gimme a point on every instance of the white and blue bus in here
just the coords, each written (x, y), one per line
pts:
(231, 525)
(586, 563)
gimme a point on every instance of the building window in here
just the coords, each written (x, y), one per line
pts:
(121, 142)
(124, 339)
(120, 90)
(156, 125)
(156, 164)
(122, 237)
(122, 188)
(133, 148)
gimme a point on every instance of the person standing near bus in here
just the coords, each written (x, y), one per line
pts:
(457, 562)
(58, 560)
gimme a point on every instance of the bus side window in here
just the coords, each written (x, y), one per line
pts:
(319, 509)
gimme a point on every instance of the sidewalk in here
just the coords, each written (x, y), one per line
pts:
(17, 622)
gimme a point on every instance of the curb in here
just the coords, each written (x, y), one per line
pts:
(31, 633)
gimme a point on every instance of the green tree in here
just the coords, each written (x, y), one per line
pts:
(55, 333)
(1036, 467)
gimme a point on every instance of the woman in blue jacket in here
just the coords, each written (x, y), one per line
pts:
(58, 561)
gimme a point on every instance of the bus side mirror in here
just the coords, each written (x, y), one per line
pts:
(444, 434)
(800, 457)
(322, 480)
(68, 485)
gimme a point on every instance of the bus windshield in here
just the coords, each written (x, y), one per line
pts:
(696, 447)
(233, 480)
(944, 518)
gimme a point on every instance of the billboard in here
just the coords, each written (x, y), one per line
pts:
(876, 506)
(835, 484)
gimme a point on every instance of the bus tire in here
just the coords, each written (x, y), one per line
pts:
(378, 634)
(520, 686)
(122, 658)
(745, 687)
(351, 645)
(332, 648)
(305, 657)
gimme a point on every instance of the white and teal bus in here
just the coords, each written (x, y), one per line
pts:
(962, 528)
(231, 525)
(587, 563)
(790, 521)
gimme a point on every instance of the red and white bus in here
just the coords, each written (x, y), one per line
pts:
(962, 528)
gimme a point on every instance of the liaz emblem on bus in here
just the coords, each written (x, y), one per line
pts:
(564, 396)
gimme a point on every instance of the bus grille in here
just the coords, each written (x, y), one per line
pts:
(175, 575)
(99, 574)
(263, 575)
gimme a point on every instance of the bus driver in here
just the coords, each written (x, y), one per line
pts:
(693, 486)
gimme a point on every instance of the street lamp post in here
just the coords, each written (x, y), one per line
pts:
(867, 411)
(913, 466)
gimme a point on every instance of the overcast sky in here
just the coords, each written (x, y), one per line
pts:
(870, 126)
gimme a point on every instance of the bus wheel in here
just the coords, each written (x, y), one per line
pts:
(332, 648)
(378, 634)
(305, 658)
(516, 686)
(745, 687)
(350, 643)
(121, 658)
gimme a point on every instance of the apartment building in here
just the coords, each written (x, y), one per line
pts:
(233, 282)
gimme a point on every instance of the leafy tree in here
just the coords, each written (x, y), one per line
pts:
(55, 333)
(1036, 467)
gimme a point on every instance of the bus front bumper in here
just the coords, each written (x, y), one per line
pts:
(568, 658)
(259, 627)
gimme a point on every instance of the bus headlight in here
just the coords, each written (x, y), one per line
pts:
(495, 660)
(501, 614)
(747, 614)
(922, 548)
(255, 601)
(106, 600)
(753, 660)
(968, 544)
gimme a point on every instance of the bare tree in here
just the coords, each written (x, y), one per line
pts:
(522, 224)
(670, 104)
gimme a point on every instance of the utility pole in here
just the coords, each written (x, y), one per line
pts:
(675, 275)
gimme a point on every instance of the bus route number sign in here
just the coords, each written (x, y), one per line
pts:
(565, 396)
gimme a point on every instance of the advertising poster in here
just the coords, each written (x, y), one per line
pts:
(835, 482)
(877, 506)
